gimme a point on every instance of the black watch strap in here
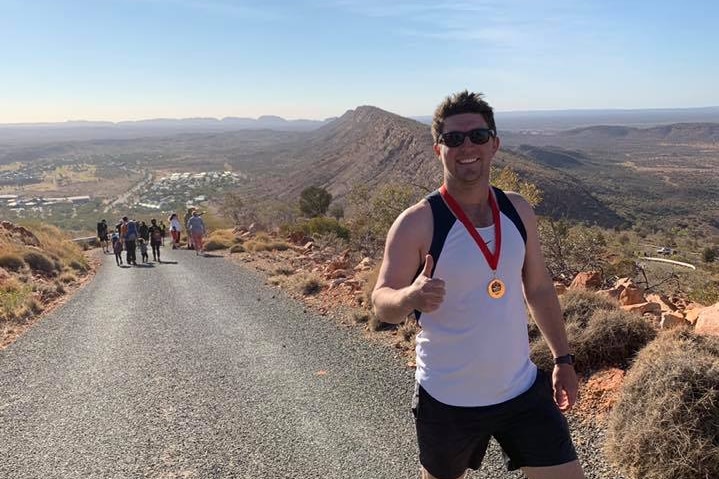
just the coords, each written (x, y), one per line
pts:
(566, 359)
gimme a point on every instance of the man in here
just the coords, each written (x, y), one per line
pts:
(155, 233)
(196, 230)
(464, 259)
(130, 237)
(187, 217)
(102, 235)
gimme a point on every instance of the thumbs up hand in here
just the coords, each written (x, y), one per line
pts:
(427, 293)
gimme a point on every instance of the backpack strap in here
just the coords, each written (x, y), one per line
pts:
(443, 219)
(506, 207)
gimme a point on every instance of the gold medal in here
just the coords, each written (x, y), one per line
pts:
(496, 288)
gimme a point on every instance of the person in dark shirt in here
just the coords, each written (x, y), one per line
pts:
(131, 236)
(102, 235)
(156, 233)
(143, 231)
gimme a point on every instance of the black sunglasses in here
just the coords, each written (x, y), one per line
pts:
(478, 136)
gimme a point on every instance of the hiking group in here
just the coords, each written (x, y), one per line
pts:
(129, 234)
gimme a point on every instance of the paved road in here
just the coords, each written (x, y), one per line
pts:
(194, 369)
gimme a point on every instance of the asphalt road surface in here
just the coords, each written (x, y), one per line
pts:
(194, 369)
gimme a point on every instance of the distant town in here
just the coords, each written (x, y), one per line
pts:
(161, 194)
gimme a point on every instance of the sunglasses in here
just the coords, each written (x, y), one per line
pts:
(478, 136)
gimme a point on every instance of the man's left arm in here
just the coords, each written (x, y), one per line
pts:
(544, 306)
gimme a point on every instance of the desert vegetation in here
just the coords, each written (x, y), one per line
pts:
(38, 264)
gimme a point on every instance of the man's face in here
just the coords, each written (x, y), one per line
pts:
(469, 162)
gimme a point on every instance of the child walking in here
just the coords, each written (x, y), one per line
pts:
(117, 248)
(143, 250)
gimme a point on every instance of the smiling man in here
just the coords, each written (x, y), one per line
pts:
(464, 260)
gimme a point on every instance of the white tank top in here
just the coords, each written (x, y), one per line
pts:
(474, 350)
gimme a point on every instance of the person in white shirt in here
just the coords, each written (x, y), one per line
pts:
(464, 260)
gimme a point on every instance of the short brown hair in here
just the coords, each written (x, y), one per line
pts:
(462, 102)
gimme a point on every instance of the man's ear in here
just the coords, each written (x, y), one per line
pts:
(437, 149)
(496, 145)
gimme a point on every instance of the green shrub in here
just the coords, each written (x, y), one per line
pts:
(665, 424)
(320, 225)
(40, 263)
(11, 262)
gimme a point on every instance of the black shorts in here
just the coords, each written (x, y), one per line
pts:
(530, 428)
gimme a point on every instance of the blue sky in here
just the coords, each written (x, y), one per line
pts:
(135, 59)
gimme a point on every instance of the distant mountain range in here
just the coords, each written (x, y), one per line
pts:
(513, 121)
(609, 175)
(554, 120)
(95, 130)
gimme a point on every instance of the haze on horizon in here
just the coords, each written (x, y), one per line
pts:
(143, 59)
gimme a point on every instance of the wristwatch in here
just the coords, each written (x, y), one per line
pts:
(566, 359)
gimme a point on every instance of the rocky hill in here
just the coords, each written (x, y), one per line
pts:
(371, 146)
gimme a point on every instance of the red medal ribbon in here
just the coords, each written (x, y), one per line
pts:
(492, 260)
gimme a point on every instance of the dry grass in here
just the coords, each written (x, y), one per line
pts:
(58, 246)
(238, 248)
(11, 261)
(407, 332)
(302, 283)
(15, 299)
(67, 277)
(600, 338)
(666, 422)
(25, 272)
(41, 263)
(220, 239)
(578, 305)
(263, 242)
(361, 317)
(369, 279)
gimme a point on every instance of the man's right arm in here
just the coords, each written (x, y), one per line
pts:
(397, 292)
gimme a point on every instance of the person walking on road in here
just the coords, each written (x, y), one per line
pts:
(131, 236)
(175, 228)
(102, 235)
(143, 231)
(186, 219)
(196, 230)
(464, 260)
(155, 239)
(117, 248)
